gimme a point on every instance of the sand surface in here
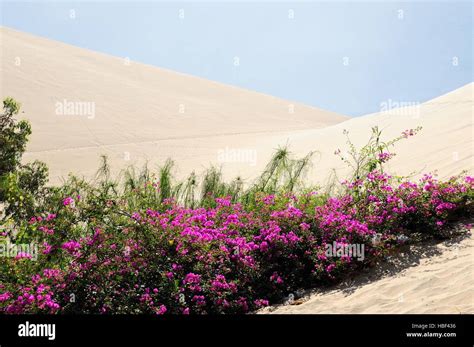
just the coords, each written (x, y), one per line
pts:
(430, 278)
(132, 112)
(146, 114)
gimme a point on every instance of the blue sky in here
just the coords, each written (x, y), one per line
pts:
(346, 57)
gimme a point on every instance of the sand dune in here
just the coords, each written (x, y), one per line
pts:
(129, 110)
(137, 118)
(445, 143)
(436, 278)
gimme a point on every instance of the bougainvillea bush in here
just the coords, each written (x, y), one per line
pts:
(221, 259)
(144, 250)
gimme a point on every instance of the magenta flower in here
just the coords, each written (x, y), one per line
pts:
(71, 247)
(47, 248)
(68, 201)
(161, 310)
(275, 278)
(23, 255)
(384, 157)
(261, 303)
(5, 296)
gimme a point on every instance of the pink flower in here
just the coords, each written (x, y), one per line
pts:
(304, 226)
(276, 278)
(51, 217)
(71, 247)
(68, 201)
(5, 296)
(384, 157)
(47, 248)
(161, 310)
(199, 300)
(409, 132)
(192, 281)
(23, 255)
(192, 278)
(261, 302)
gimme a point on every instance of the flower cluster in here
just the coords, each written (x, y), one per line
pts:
(228, 258)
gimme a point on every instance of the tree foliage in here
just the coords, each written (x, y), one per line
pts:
(20, 184)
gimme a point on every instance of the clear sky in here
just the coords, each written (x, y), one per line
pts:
(347, 57)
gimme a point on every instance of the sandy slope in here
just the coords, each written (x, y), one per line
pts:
(138, 109)
(137, 118)
(435, 278)
(445, 143)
